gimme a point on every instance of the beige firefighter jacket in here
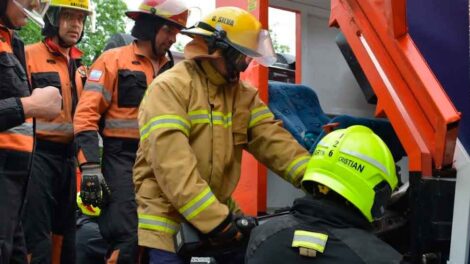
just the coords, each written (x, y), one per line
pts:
(193, 129)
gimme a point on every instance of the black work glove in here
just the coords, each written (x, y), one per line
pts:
(232, 229)
(93, 189)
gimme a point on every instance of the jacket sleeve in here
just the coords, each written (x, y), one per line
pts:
(94, 100)
(11, 113)
(164, 131)
(274, 146)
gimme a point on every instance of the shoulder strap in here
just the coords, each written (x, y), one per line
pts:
(361, 242)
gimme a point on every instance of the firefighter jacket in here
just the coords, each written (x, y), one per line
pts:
(320, 231)
(47, 66)
(193, 129)
(16, 133)
(109, 102)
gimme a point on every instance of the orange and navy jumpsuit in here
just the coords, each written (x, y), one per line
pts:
(109, 104)
(16, 146)
(50, 210)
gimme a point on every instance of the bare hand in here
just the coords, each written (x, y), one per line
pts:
(43, 102)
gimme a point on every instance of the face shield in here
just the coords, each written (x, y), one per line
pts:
(170, 8)
(264, 54)
(33, 9)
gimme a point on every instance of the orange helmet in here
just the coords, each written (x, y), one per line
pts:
(174, 11)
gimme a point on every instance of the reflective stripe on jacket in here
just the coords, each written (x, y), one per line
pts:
(115, 86)
(193, 130)
(18, 134)
(47, 67)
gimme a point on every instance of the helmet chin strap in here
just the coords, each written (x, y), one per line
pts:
(235, 62)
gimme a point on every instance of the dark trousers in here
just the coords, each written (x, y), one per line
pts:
(14, 173)
(118, 220)
(91, 247)
(49, 217)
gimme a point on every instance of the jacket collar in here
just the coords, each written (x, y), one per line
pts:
(212, 74)
(333, 213)
(6, 34)
(74, 52)
(140, 53)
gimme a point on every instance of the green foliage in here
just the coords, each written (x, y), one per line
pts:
(110, 19)
(178, 46)
(31, 33)
(278, 48)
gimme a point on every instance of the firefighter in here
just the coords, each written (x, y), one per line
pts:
(55, 61)
(350, 178)
(17, 108)
(195, 120)
(91, 247)
(109, 103)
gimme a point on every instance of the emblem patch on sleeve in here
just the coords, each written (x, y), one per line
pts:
(95, 75)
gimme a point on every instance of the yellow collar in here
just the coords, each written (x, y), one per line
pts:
(212, 74)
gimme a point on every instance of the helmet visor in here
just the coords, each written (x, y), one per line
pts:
(264, 54)
(34, 9)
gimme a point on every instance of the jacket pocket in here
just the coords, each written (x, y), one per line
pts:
(148, 189)
(131, 88)
(14, 82)
(43, 79)
(240, 127)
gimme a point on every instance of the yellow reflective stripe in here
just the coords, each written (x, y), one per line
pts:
(259, 114)
(200, 117)
(215, 118)
(219, 118)
(311, 240)
(158, 223)
(197, 204)
(296, 167)
(165, 121)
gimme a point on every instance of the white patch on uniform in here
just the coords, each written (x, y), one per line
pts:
(95, 75)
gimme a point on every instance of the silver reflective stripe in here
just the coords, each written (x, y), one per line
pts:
(62, 127)
(260, 113)
(162, 122)
(159, 225)
(309, 239)
(200, 116)
(301, 162)
(372, 161)
(23, 129)
(197, 206)
(92, 86)
(121, 123)
(225, 119)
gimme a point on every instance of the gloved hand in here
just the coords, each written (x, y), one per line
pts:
(93, 190)
(232, 229)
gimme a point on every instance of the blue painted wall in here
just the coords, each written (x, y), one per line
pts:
(441, 31)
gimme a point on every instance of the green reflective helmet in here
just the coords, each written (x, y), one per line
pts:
(355, 163)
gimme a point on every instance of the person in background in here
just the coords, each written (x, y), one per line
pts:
(349, 181)
(109, 103)
(55, 61)
(18, 107)
(195, 120)
(90, 245)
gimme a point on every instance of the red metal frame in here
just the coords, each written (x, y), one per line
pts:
(408, 93)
